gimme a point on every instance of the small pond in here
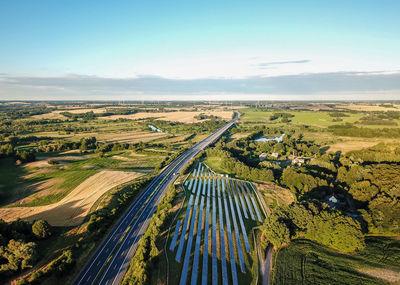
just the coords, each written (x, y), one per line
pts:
(153, 128)
(277, 139)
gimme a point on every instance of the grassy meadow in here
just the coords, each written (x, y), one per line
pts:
(27, 182)
(304, 117)
(305, 262)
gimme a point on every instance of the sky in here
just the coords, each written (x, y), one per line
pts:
(183, 50)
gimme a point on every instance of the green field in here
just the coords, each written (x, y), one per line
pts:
(315, 118)
(215, 163)
(306, 262)
(68, 173)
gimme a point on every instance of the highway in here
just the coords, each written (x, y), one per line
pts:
(111, 259)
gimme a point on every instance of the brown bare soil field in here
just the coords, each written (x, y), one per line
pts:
(71, 210)
(388, 275)
(184, 117)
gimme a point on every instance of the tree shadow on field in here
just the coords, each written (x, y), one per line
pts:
(67, 214)
(324, 150)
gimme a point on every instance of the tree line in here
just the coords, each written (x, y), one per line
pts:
(148, 248)
(18, 245)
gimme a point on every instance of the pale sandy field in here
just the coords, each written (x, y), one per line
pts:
(126, 137)
(184, 117)
(133, 138)
(391, 276)
(358, 143)
(240, 135)
(57, 113)
(345, 147)
(361, 107)
(72, 209)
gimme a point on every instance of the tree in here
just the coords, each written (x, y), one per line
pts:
(41, 229)
(276, 231)
(18, 254)
(26, 156)
(312, 221)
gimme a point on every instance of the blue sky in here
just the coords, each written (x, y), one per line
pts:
(201, 49)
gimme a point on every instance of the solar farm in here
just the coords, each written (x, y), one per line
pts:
(211, 240)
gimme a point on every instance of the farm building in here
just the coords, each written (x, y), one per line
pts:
(263, 156)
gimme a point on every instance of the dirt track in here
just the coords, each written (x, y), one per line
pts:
(76, 205)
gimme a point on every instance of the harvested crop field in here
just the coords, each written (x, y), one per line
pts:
(240, 135)
(72, 209)
(275, 196)
(370, 108)
(135, 137)
(110, 136)
(184, 117)
(57, 113)
(391, 276)
(345, 147)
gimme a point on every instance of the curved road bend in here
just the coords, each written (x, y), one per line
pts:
(107, 266)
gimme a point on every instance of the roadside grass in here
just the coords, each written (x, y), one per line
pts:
(160, 266)
(306, 262)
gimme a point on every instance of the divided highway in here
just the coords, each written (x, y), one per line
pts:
(111, 259)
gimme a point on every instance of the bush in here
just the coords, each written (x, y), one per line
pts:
(25, 156)
(41, 229)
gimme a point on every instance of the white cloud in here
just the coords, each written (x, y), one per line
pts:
(346, 85)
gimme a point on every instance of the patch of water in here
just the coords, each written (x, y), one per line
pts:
(277, 139)
(153, 128)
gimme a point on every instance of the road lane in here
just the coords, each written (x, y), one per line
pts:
(121, 242)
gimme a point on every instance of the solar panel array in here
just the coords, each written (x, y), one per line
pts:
(229, 201)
